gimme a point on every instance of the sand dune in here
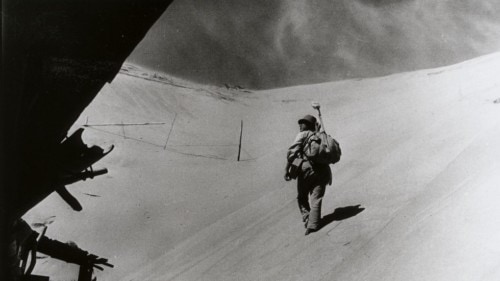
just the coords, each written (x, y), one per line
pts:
(413, 197)
(272, 44)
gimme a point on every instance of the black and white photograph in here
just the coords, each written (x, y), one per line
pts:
(321, 140)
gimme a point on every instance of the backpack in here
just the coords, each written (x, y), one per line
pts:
(321, 148)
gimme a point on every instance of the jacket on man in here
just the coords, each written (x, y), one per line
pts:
(307, 168)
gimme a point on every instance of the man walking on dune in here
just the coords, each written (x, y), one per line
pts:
(311, 178)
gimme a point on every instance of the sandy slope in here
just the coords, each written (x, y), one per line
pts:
(413, 197)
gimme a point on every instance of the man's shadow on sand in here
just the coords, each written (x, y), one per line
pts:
(341, 214)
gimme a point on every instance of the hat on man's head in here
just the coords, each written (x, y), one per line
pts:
(309, 119)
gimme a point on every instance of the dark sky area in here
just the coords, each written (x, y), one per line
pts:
(275, 43)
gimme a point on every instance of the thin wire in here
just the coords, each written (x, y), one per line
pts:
(171, 127)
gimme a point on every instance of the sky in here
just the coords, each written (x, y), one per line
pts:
(263, 44)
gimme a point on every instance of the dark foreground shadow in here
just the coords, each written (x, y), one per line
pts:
(341, 214)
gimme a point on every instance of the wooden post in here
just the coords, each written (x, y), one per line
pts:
(241, 134)
(85, 272)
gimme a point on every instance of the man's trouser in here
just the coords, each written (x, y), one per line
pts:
(310, 190)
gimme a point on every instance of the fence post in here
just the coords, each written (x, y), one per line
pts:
(241, 134)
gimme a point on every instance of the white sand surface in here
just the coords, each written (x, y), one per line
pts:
(420, 157)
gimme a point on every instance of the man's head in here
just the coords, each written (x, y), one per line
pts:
(307, 122)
